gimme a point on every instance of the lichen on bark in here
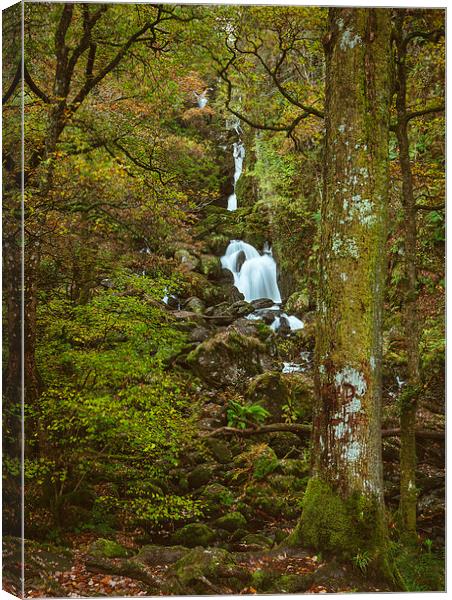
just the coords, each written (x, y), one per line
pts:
(347, 460)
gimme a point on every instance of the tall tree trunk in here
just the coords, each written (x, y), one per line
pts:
(12, 274)
(343, 506)
(408, 402)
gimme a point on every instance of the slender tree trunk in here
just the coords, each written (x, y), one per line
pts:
(343, 506)
(408, 403)
(11, 270)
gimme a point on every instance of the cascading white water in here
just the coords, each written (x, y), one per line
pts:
(239, 155)
(254, 274)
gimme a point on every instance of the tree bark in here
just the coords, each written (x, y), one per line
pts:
(408, 400)
(347, 461)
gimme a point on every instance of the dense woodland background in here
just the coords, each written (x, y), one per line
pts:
(151, 427)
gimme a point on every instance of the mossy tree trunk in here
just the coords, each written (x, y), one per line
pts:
(347, 463)
(408, 402)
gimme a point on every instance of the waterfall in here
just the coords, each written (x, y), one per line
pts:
(255, 277)
(238, 154)
(254, 273)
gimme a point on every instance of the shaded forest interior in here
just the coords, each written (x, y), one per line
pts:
(234, 294)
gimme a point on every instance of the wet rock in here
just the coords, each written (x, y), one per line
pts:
(262, 303)
(271, 391)
(195, 305)
(247, 327)
(284, 326)
(228, 358)
(193, 534)
(231, 521)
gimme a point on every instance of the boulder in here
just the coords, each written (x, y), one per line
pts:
(102, 548)
(195, 305)
(193, 534)
(210, 266)
(200, 476)
(188, 261)
(271, 391)
(198, 334)
(205, 571)
(216, 497)
(228, 358)
(231, 521)
(262, 303)
(257, 541)
(220, 450)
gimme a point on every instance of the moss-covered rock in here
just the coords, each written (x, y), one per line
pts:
(201, 475)
(188, 261)
(231, 521)
(195, 305)
(271, 391)
(301, 401)
(228, 358)
(103, 548)
(216, 498)
(193, 534)
(220, 450)
(210, 266)
(257, 541)
(206, 571)
(262, 579)
(266, 462)
(262, 497)
(291, 584)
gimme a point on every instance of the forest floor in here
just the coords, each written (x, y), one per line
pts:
(79, 577)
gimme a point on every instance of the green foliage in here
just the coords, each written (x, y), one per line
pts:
(417, 568)
(110, 412)
(362, 560)
(240, 415)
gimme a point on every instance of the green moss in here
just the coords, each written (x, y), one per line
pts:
(329, 523)
(102, 548)
(231, 521)
(265, 463)
(194, 534)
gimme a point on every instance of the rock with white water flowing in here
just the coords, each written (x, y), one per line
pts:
(239, 155)
(254, 274)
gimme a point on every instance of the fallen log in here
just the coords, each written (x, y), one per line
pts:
(305, 430)
(421, 434)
